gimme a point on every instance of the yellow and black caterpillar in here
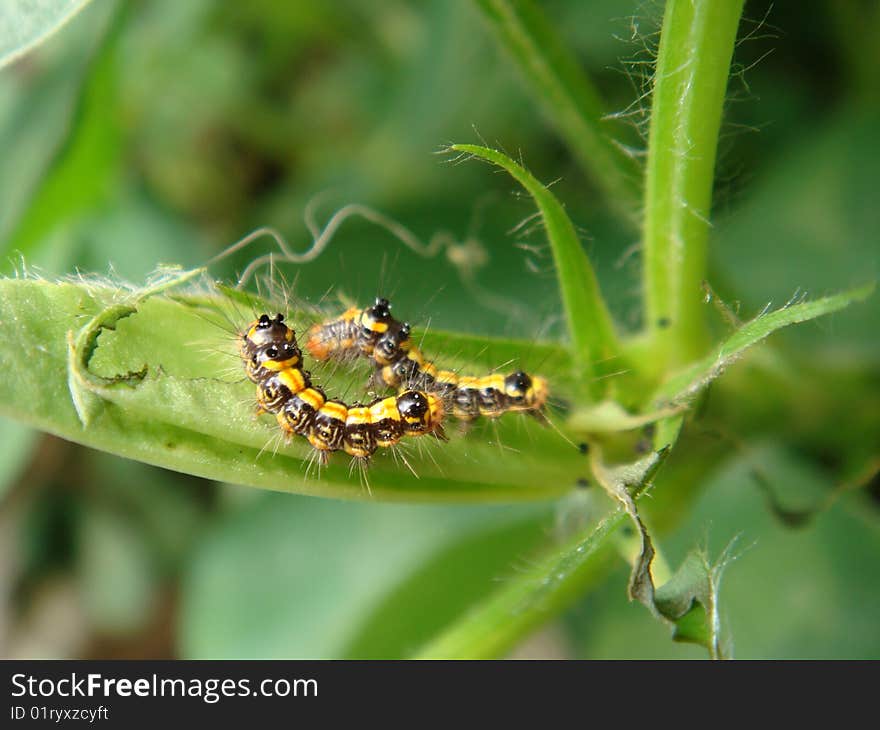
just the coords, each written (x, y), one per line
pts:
(272, 359)
(375, 334)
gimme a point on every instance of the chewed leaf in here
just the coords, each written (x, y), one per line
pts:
(141, 374)
(682, 387)
(624, 483)
(690, 600)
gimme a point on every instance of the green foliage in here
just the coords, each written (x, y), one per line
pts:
(183, 138)
(87, 167)
(319, 603)
(690, 600)
(129, 381)
(693, 65)
(688, 383)
(593, 340)
(572, 102)
(494, 625)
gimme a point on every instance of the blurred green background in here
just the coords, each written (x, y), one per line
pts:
(161, 132)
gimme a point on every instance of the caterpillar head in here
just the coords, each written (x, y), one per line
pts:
(377, 319)
(269, 345)
(524, 392)
(393, 345)
(420, 413)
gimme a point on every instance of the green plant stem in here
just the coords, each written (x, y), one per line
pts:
(573, 103)
(527, 600)
(696, 46)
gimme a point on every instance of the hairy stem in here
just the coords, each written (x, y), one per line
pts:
(572, 101)
(696, 46)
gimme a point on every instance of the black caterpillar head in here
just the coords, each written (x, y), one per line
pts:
(390, 346)
(517, 386)
(270, 344)
(381, 310)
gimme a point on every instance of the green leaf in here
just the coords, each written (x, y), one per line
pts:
(543, 589)
(696, 46)
(495, 625)
(35, 119)
(623, 483)
(444, 586)
(24, 24)
(158, 380)
(796, 594)
(84, 174)
(325, 569)
(800, 593)
(690, 600)
(814, 203)
(683, 386)
(573, 103)
(593, 339)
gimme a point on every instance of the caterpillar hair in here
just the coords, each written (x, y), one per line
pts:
(273, 361)
(375, 334)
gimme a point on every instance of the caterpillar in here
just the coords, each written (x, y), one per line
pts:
(375, 334)
(272, 360)
(355, 331)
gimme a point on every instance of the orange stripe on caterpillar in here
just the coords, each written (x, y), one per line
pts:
(329, 425)
(355, 331)
(400, 364)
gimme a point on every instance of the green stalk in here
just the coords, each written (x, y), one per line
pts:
(569, 96)
(494, 626)
(696, 46)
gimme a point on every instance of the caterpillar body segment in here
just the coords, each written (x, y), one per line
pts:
(272, 359)
(360, 438)
(400, 364)
(296, 415)
(268, 346)
(327, 432)
(356, 331)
